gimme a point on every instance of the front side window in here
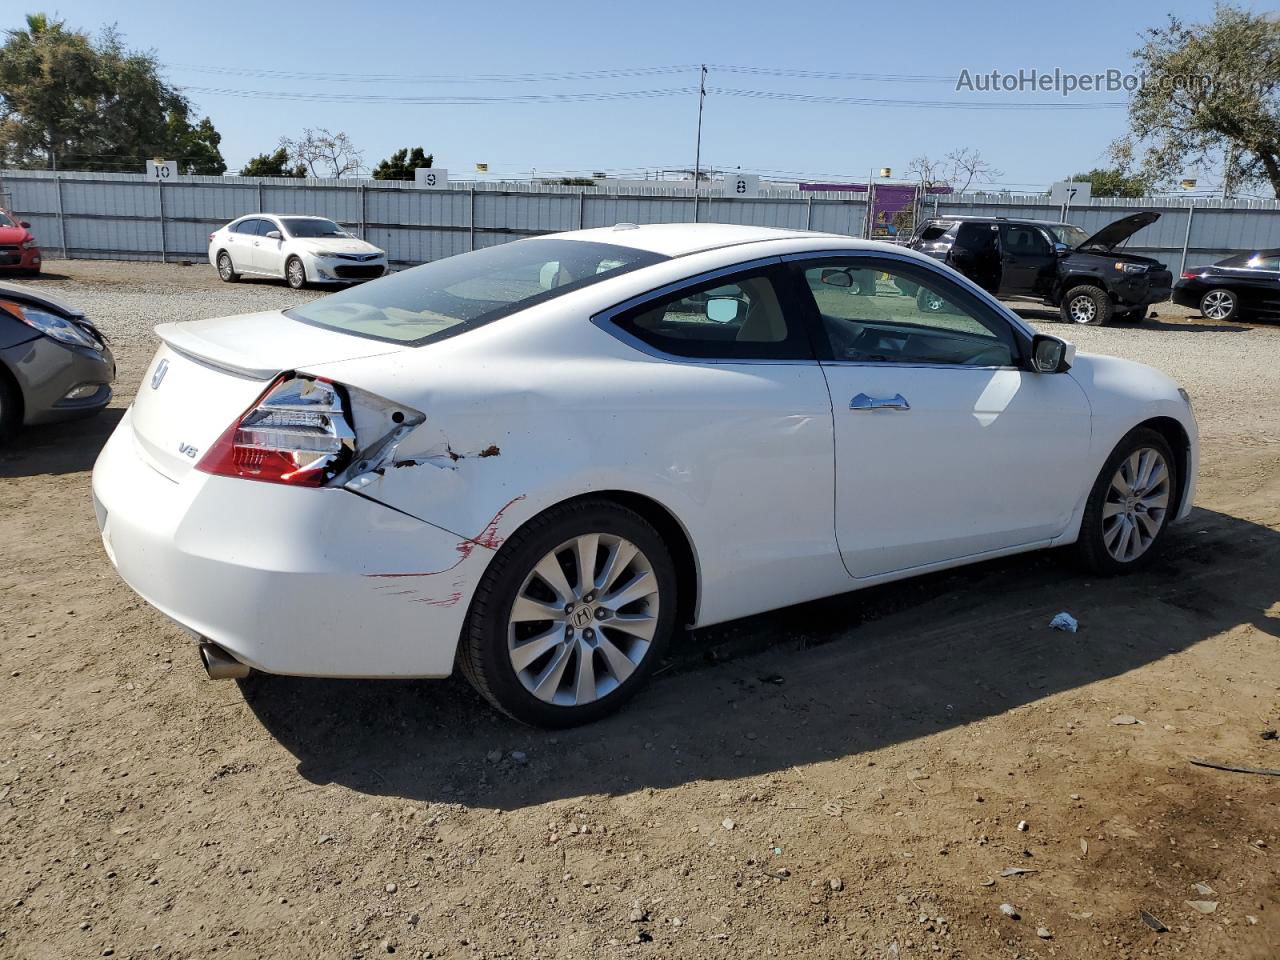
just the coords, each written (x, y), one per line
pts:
(449, 296)
(6, 220)
(311, 227)
(1019, 239)
(739, 317)
(905, 314)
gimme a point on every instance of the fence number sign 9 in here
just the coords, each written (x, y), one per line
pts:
(432, 178)
(162, 170)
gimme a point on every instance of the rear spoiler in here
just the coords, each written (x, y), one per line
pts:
(181, 339)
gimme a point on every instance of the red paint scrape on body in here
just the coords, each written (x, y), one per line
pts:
(488, 537)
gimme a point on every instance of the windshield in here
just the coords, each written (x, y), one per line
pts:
(312, 227)
(1069, 234)
(5, 221)
(449, 296)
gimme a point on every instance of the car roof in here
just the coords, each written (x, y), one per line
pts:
(679, 239)
(963, 218)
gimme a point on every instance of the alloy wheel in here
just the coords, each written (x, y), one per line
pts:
(583, 620)
(1083, 309)
(1217, 305)
(1136, 504)
(224, 267)
(297, 277)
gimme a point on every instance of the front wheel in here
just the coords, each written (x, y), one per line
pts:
(295, 273)
(572, 615)
(1129, 507)
(1219, 304)
(1087, 305)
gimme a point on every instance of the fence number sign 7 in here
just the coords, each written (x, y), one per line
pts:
(160, 170)
(432, 178)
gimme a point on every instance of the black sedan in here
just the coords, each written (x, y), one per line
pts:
(1247, 284)
(54, 363)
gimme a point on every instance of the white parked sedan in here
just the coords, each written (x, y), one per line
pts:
(539, 460)
(301, 250)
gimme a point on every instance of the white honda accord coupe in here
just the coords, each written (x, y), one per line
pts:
(539, 461)
(300, 250)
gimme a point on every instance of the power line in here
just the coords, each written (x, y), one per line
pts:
(918, 104)
(461, 99)
(609, 74)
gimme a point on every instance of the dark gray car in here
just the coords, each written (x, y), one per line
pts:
(54, 363)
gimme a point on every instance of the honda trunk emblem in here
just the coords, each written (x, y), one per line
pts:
(158, 376)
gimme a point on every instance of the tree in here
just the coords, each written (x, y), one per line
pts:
(331, 154)
(1210, 98)
(958, 169)
(1115, 182)
(401, 164)
(272, 165)
(67, 100)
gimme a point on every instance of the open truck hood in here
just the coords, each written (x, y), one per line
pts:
(1114, 234)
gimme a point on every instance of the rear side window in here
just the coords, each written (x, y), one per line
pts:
(976, 237)
(449, 296)
(247, 227)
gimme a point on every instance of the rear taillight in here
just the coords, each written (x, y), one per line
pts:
(299, 432)
(1188, 275)
(211, 236)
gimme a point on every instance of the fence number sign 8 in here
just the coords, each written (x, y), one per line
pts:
(433, 178)
(162, 170)
(742, 185)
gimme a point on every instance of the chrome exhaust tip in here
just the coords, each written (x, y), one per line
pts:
(220, 665)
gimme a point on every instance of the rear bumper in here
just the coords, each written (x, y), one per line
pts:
(293, 581)
(1186, 295)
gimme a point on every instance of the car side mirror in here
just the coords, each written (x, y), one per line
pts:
(1051, 354)
(1061, 249)
(24, 224)
(723, 309)
(837, 278)
(273, 234)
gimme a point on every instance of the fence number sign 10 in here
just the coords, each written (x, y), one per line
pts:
(432, 178)
(162, 170)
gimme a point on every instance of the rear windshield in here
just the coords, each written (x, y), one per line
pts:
(449, 296)
(1069, 234)
(935, 231)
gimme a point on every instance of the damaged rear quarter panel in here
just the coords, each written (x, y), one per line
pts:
(541, 407)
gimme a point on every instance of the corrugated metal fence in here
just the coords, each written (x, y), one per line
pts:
(128, 216)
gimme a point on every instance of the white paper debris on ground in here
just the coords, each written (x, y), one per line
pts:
(1064, 621)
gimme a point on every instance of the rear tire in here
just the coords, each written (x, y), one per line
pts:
(295, 274)
(1219, 304)
(1130, 506)
(1087, 305)
(226, 269)
(584, 659)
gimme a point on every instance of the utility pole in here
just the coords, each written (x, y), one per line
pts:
(1226, 173)
(697, 153)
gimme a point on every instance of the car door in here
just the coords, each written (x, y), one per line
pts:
(975, 255)
(270, 250)
(240, 241)
(1026, 259)
(947, 446)
(1257, 283)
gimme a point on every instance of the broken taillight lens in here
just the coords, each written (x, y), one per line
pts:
(298, 433)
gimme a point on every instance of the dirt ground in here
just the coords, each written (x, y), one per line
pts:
(849, 778)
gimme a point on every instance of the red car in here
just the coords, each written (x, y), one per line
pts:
(18, 250)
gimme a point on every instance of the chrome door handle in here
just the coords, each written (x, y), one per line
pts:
(864, 402)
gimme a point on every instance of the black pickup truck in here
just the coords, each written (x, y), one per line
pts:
(1057, 263)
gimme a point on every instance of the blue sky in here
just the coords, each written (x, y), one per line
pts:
(222, 46)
